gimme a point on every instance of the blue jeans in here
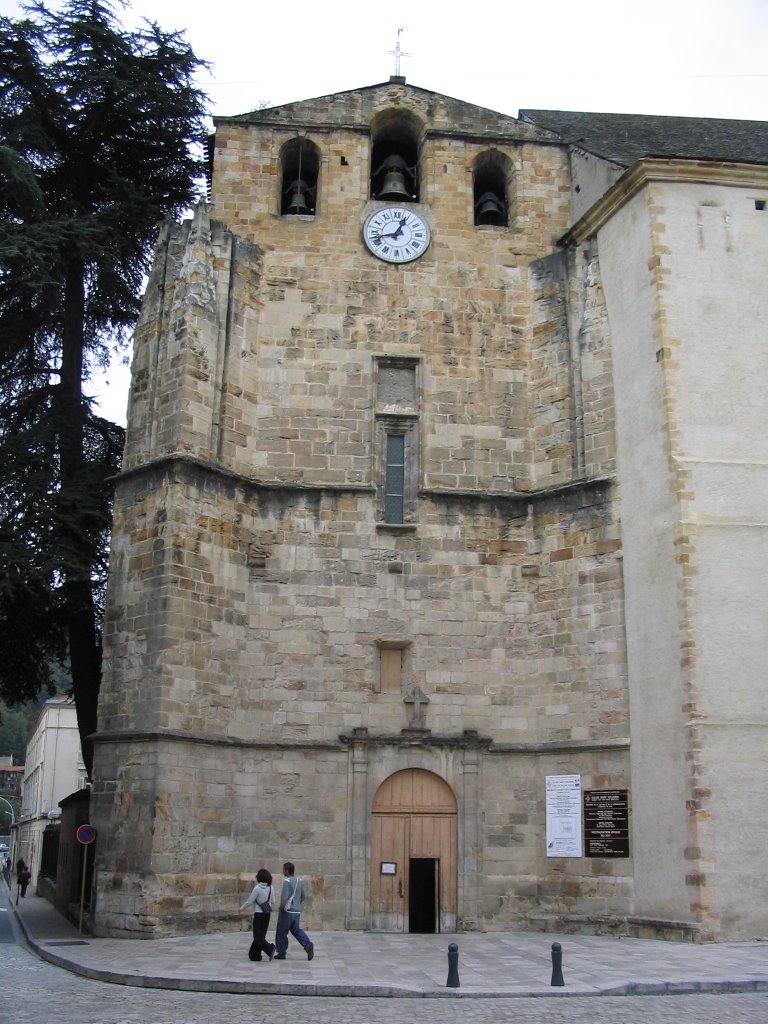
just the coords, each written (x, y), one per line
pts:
(289, 924)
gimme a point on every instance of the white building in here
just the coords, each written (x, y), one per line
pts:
(53, 769)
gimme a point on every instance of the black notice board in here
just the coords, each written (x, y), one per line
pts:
(606, 823)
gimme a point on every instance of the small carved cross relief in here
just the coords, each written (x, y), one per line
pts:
(416, 701)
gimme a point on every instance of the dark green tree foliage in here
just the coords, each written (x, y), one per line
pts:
(16, 725)
(97, 126)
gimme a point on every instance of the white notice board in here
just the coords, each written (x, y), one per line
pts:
(564, 816)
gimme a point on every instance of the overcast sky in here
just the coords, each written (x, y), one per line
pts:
(702, 58)
(695, 57)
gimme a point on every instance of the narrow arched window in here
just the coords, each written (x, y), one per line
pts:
(300, 163)
(395, 158)
(491, 190)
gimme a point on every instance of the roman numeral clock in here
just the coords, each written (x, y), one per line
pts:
(396, 234)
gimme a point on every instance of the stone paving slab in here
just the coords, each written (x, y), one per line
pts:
(491, 964)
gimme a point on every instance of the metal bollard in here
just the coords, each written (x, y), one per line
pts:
(557, 964)
(453, 967)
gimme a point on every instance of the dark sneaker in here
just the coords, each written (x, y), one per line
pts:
(310, 951)
(272, 954)
(280, 956)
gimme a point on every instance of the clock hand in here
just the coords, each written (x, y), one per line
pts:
(394, 234)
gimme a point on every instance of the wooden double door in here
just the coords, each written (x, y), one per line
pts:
(413, 854)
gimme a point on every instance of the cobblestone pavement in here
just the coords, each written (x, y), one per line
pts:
(34, 992)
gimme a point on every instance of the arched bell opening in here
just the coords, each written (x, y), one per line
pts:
(300, 165)
(491, 189)
(395, 158)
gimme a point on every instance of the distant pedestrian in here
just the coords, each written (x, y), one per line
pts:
(289, 917)
(23, 878)
(262, 899)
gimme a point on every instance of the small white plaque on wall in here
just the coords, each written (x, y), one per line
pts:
(564, 816)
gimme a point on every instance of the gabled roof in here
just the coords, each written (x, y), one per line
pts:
(626, 138)
(355, 108)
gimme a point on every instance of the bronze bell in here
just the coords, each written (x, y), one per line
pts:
(489, 209)
(394, 187)
(298, 202)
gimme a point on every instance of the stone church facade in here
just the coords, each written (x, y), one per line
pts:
(445, 478)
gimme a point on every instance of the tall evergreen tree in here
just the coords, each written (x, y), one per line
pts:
(97, 133)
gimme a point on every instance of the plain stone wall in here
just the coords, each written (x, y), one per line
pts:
(209, 840)
(236, 655)
(239, 651)
(217, 813)
(685, 289)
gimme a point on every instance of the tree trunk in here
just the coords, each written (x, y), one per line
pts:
(84, 645)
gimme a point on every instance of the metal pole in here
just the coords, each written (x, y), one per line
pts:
(82, 887)
(557, 964)
(13, 816)
(453, 967)
(6, 871)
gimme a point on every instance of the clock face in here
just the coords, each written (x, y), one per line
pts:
(396, 234)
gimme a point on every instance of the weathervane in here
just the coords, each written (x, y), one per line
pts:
(397, 52)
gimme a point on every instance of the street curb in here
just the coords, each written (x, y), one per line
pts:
(297, 988)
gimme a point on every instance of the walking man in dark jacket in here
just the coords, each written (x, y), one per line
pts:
(289, 916)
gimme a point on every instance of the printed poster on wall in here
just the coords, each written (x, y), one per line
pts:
(606, 823)
(563, 815)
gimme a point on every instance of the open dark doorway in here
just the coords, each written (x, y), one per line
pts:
(423, 895)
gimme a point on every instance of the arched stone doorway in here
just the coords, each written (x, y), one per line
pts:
(413, 854)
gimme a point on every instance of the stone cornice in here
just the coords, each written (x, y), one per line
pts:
(467, 740)
(677, 171)
(179, 736)
(513, 137)
(561, 746)
(522, 497)
(191, 463)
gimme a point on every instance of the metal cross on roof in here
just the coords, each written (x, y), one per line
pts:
(398, 53)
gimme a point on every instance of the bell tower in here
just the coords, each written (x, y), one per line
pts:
(365, 530)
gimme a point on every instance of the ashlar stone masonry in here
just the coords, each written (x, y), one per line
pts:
(292, 671)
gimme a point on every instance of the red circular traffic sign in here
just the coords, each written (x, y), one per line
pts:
(86, 834)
